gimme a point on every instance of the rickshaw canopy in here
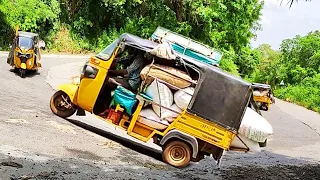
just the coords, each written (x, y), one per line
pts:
(219, 97)
(137, 42)
(263, 86)
(27, 34)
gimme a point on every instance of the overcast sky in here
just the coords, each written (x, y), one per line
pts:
(279, 22)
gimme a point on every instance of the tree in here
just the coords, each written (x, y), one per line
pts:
(291, 2)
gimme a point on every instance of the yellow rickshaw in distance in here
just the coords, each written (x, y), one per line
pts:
(25, 52)
(206, 127)
(262, 95)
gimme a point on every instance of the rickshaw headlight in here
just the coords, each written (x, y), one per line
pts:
(18, 54)
(28, 56)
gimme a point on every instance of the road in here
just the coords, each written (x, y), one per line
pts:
(36, 144)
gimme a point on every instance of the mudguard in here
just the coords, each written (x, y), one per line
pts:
(71, 90)
(23, 66)
(184, 137)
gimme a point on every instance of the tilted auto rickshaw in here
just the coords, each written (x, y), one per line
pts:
(25, 52)
(262, 95)
(207, 125)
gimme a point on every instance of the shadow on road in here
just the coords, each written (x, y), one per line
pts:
(29, 73)
(233, 168)
(140, 148)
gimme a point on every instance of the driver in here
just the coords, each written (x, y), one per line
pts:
(130, 75)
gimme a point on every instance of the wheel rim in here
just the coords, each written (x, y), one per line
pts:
(177, 154)
(63, 103)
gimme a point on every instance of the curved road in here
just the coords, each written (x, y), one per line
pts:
(36, 144)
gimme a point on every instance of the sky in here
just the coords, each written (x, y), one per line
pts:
(280, 22)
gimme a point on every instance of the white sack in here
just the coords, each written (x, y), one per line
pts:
(163, 50)
(162, 95)
(252, 145)
(183, 99)
(170, 115)
(254, 126)
(150, 118)
(256, 93)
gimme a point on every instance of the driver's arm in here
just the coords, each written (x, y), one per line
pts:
(121, 72)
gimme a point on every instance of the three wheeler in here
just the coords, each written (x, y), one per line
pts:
(25, 52)
(262, 95)
(206, 127)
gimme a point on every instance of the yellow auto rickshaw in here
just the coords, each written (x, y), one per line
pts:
(206, 126)
(25, 52)
(262, 95)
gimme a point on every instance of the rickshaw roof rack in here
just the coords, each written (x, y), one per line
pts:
(259, 85)
(27, 34)
(186, 45)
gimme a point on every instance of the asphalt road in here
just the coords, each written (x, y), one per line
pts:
(35, 144)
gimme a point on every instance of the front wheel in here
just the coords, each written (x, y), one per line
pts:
(23, 73)
(61, 105)
(177, 153)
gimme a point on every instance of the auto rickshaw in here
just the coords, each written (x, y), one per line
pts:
(25, 52)
(262, 94)
(206, 127)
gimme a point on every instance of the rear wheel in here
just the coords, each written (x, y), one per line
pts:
(61, 105)
(265, 106)
(177, 153)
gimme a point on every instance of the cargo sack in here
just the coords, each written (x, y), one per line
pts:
(170, 116)
(124, 98)
(254, 126)
(245, 143)
(162, 95)
(149, 117)
(165, 76)
(182, 99)
(164, 51)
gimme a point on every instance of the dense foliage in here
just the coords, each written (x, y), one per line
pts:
(76, 26)
(298, 65)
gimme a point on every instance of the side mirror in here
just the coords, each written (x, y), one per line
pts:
(42, 44)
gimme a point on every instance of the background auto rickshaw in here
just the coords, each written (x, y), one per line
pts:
(25, 52)
(206, 127)
(262, 94)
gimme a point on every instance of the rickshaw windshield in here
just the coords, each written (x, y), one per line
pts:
(107, 52)
(25, 42)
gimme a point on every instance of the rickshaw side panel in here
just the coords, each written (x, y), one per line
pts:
(262, 99)
(220, 98)
(204, 130)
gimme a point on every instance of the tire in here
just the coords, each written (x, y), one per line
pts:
(59, 110)
(263, 144)
(23, 73)
(177, 154)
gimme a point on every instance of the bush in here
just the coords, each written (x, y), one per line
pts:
(305, 94)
